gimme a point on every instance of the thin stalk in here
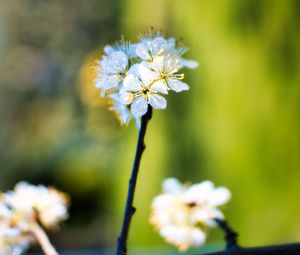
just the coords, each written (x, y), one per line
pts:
(42, 238)
(130, 209)
(230, 235)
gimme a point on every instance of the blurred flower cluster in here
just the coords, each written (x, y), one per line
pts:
(134, 76)
(183, 214)
(22, 213)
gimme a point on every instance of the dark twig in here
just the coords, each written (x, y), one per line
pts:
(130, 209)
(232, 247)
(284, 249)
(230, 235)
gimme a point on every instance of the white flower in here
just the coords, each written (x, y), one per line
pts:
(164, 71)
(134, 75)
(182, 213)
(141, 91)
(111, 71)
(30, 202)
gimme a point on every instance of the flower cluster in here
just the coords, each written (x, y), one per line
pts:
(21, 212)
(182, 214)
(135, 76)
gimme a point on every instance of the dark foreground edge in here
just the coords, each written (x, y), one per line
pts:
(284, 249)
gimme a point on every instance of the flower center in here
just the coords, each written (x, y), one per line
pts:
(145, 92)
(191, 205)
(164, 75)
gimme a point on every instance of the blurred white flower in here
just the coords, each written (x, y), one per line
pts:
(132, 75)
(31, 202)
(21, 211)
(182, 214)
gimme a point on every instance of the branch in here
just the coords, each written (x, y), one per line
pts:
(130, 210)
(42, 239)
(284, 249)
(230, 235)
(232, 247)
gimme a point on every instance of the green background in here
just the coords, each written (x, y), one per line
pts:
(237, 126)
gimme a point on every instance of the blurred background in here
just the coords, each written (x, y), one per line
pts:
(237, 126)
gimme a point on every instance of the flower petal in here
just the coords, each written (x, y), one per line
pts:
(172, 186)
(160, 86)
(132, 83)
(158, 102)
(158, 46)
(139, 106)
(199, 193)
(125, 97)
(142, 51)
(134, 70)
(177, 85)
(189, 63)
(108, 49)
(158, 64)
(145, 74)
(119, 60)
(220, 196)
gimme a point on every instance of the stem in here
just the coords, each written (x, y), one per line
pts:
(283, 249)
(42, 239)
(230, 235)
(130, 209)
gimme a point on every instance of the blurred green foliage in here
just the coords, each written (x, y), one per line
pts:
(238, 125)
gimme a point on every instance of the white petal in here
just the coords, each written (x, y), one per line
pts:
(115, 97)
(158, 64)
(134, 70)
(108, 49)
(125, 97)
(183, 237)
(189, 63)
(214, 214)
(177, 85)
(172, 186)
(145, 74)
(142, 51)
(158, 46)
(198, 237)
(125, 115)
(132, 51)
(163, 201)
(137, 121)
(139, 106)
(160, 86)
(120, 60)
(199, 214)
(199, 193)
(220, 196)
(131, 83)
(158, 102)
(172, 42)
